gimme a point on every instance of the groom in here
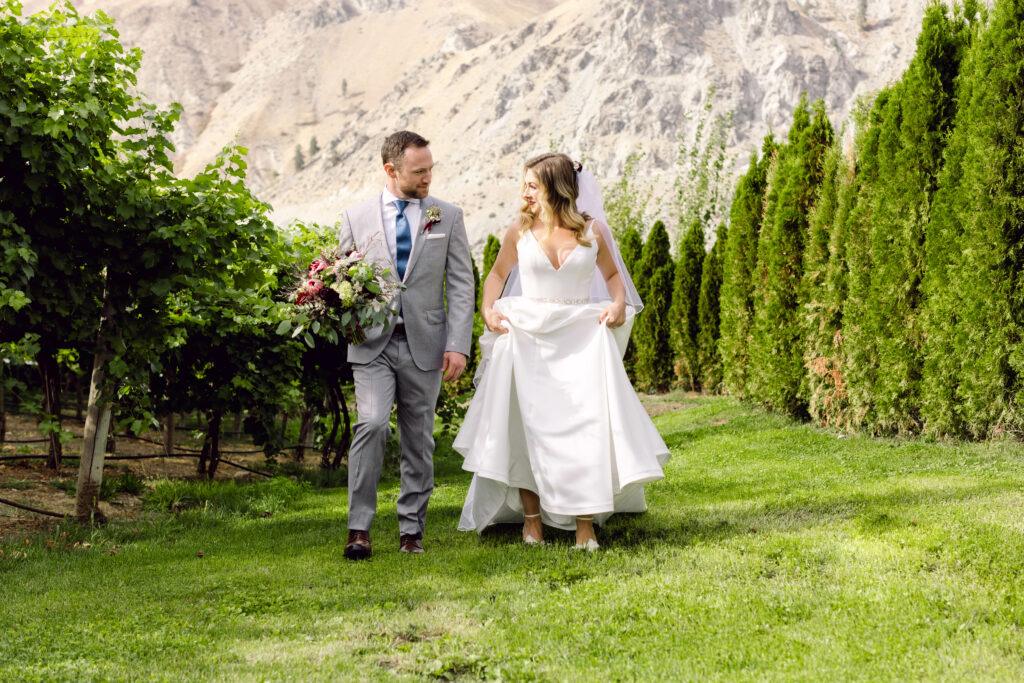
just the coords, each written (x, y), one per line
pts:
(422, 240)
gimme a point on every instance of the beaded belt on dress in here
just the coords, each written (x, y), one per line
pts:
(561, 300)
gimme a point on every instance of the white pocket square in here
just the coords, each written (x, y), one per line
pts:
(436, 235)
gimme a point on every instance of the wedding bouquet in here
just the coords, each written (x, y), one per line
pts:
(345, 294)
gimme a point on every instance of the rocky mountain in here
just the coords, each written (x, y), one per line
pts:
(492, 83)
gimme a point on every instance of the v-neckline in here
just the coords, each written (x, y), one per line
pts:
(547, 258)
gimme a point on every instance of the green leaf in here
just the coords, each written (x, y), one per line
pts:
(284, 327)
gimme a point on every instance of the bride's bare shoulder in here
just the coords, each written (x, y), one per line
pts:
(597, 229)
(512, 233)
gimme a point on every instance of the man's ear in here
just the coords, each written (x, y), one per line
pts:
(389, 168)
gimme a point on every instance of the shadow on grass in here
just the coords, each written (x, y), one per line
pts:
(874, 513)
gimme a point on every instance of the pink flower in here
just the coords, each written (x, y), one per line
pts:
(355, 253)
(314, 287)
(317, 265)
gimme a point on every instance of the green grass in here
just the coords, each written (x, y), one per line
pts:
(259, 499)
(771, 551)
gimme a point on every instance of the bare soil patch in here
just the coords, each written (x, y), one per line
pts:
(31, 482)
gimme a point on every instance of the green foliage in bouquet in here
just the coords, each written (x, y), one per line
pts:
(341, 297)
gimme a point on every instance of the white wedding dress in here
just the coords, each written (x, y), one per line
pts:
(554, 411)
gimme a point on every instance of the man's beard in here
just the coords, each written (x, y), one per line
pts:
(414, 191)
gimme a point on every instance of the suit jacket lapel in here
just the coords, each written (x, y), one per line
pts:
(382, 235)
(418, 241)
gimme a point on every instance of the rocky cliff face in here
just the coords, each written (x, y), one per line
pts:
(493, 83)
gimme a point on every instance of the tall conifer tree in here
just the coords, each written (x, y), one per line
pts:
(980, 312)
(685, 303)
(859, 361)
(912, 139)
(631, 246)
(740, 264)
(709, 315)
(491, 248)
(817, 318)
(825, 359)
(944, 239)
(777, 350)
(651, 334)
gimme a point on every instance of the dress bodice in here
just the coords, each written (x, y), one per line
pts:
(569, 284)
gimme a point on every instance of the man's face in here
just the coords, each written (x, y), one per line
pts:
(411, 178)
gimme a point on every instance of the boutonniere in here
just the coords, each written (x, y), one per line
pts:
(433, 218)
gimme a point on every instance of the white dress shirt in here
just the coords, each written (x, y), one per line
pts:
(412, 214)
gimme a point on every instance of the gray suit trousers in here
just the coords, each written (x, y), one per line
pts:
(391, 375)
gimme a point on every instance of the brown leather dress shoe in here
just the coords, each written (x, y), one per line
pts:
(410, 543)
(358, 546)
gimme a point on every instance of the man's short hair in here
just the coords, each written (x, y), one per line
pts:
(395, 145)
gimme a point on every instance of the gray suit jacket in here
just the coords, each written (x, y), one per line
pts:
(439, 266)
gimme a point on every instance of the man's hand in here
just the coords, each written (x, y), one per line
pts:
(454, 365)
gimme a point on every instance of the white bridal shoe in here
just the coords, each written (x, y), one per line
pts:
(530, 539)
(591, 545)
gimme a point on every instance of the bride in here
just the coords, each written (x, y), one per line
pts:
(555, 433)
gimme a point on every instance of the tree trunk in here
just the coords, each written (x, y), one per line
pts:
(305, 435)
(325, 453)
(111, 441)
(204, 454)
(49, 373)
(169, 434)
(214, 431)
(90, 467)
(237, 428)
(79, 409)
(97, 425)
(209, 457)
(3, 406)
(284, 427)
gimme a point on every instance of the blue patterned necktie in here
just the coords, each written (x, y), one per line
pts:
(403, 238)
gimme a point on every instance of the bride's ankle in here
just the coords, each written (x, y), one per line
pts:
(533, 528)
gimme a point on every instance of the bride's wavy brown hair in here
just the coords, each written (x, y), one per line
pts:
(556, 174)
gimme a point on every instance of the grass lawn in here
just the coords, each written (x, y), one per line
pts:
(771, 551)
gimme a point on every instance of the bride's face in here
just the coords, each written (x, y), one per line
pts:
(532, 193)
